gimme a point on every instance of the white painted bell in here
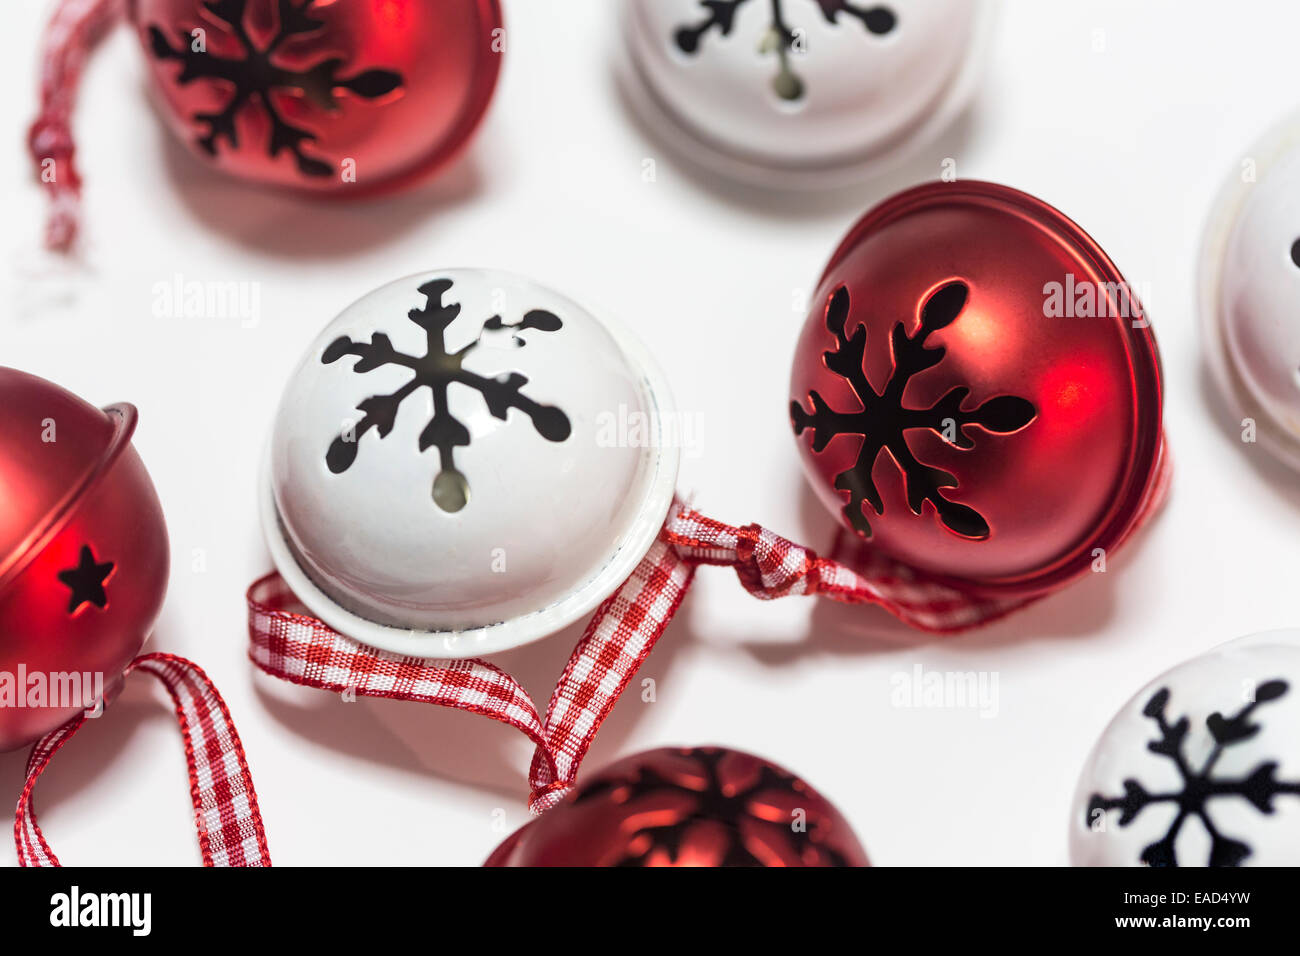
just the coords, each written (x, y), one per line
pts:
(1202, 767)
(465, 461)
(1250, 293)
(801, 92)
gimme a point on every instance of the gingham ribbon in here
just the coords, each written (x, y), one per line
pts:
(71, 33)
(298, 648)
(769, 566)
(225, 803)
(290, 644)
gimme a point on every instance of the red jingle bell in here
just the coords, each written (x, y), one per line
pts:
(976, 391)
(315, 95)
(302, 92)
(83, 554)
(703, 806)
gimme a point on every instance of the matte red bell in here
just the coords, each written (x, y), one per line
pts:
(703, 806)
(976, 391)
(321, 95)
(83, 553)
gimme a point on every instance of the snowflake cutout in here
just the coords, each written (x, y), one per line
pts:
(437, 370)
(779, 36)
(660, 838)
(883, 420)
(256, 76)
(1200, 786)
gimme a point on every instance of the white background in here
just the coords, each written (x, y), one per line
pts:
(1132, 140)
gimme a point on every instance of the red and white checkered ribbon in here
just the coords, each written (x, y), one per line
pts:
(303, 650)
(770, 566)
(292, 645)
(225, 803)
(72, 32)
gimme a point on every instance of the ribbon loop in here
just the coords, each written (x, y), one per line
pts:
(770, 566)
(72, 32)
(226, 813)
(300, 649)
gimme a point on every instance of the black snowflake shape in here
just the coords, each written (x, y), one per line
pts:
(780, 38)
(256, 75)
(86, 581)
(883, 420)
(437, 370)
(1200, 786)
(715, 802)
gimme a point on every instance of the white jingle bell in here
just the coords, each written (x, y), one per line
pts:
(465, 461)
(802, 92)
(1202, 767)
(1250, 292)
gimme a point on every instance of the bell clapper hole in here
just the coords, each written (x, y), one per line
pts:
(450, 491)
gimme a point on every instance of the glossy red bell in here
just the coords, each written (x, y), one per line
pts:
(325, 96)
(976, 391)
(318, 94)
(83, 554)
(703, 806)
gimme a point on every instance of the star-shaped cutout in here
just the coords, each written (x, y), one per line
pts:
(87, 581)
